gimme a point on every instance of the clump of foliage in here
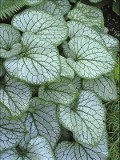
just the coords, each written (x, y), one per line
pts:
(55, 72)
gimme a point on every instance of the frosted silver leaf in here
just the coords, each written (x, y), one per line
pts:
(86, 120)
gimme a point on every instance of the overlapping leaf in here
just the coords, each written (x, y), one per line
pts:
(9, 41)
(60, 92)
(42, 121)
(90, 59)
(37, 149)
(86, 120)
(103, 86)
(75, 151)
(11, 131)
(15, 95)
(38, 63)
(41, 24)
(90, 15)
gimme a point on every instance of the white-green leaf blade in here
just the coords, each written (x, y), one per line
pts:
(39, 63)
(15, 95)
(103, 86)
(91, 58)
(86, 121)
(11, 131)
(41, 24)
(43, 121)
(59, 92)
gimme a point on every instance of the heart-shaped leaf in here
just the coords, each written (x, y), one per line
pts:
(9, 41)
(41, 24)
(37, 149)
(37, 64)
(59, 92)
(51, 8)
(103, 86)
(75, 151)
(91, 59)
(11, 131)
(90, 15)
(86, 120)
(42, 121)
(15, 95)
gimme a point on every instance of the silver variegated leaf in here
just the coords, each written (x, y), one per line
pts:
(86, 120)
(38, 63)
(66, 70)
(42, 121)
(15, 95)
(37, 149)
(9, 41)
(33, 2)
(91, 59)
(75, 151)
(67, 51)
(11, 130)
(42, 25)
(90, 15)
(103, 86)
(59, 92)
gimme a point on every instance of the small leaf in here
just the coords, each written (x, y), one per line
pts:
(33, 2)
(90, 15)
(86, 120)
(15, 95)
(37, 149)
(66, 70)
(42, 25)
(103, 87)
(37, 64)
(74, 151)
(9, 41)
(11, 131)
(50, 8)
(60, 92)
(95, 1)
(91, 59)
(42, 121)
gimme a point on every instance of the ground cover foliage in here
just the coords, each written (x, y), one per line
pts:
(58, 73)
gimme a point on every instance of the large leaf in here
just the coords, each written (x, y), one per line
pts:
(11, 131)
(37, 149)
(41, 24)
(90, 15)
(42, 121)
(66, 70)
(15, 95)
(74, 151)
(51, 8)
(38, 63)
(60, 92)
(103, 86)
(9, 41)
(91, 59)
(86, 120)
(64, 5)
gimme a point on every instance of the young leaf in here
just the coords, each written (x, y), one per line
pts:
(41, 24)
(91, 59)
(9, 41)
(60, 92)
(66, 70)
(42, 121)
(38, 63)
(37, 149)
(51, 8)
(90, 15)
(103, 87)
(75, 151)
(15, 95)
(86, 120)
(11, 131)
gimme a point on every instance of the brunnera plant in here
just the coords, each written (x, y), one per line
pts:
(55, 67)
